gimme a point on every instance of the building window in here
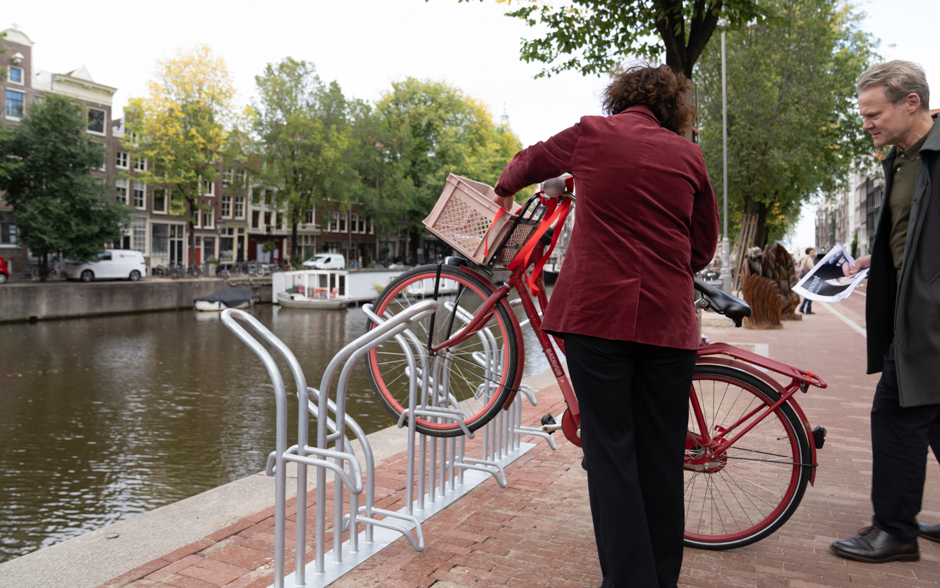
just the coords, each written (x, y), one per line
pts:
(342, 222)
(208, 188)
(310, 217)
(120, 159)
(7, 229)
(159, 199)
(139, 234)
(197, 219)
(334, 223)
(255, 219)
(239, 207)
(227, 178)
(353, 222)
(209, 216)
(226, 207)
(14, 104)
(16, 75)
(140, 164)
(140, 192)
(120, 190)
(96, 121)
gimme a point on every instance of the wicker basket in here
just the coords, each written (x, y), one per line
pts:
(463, 216)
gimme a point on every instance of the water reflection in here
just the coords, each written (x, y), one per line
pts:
(104, 418)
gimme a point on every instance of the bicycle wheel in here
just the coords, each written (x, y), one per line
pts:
(746, 493)
(474, 377)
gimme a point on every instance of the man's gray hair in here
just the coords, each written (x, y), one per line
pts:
(900, 79)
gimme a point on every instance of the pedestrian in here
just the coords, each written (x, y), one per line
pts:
(902, 311)
(806, 264)
(647, 220)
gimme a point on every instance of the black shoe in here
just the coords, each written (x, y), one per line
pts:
(809, 312)
(873, 545)
(929, 532)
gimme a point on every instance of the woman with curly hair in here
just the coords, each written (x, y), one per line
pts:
(646, 221)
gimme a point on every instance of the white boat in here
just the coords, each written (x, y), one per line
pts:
(314, 289)
(227, 298)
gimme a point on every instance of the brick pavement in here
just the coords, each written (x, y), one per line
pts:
(538, 531)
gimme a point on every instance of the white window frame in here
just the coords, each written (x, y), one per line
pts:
(22, 71)
(140, 164)
(343, 222)
(120, 184)
(353, 222)
(227, 177)
(238, 203)
(139, 244)
(334, 222)
(226, 206)
(141, 202)
(121, 159)
(209, 218)
(166, 200)
(104, 126)
(6, 105)
(208, 188)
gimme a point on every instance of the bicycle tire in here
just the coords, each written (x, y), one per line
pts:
(759, 483)
(479, 392)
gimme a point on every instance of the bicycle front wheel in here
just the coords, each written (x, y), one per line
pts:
(744, 494)
(471, 379)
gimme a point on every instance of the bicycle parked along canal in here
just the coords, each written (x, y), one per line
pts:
(750, 451)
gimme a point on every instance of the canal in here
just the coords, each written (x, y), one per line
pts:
(105, 418)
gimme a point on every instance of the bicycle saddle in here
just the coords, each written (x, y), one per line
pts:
(731, 306)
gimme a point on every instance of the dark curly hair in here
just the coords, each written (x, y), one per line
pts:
(662, 90)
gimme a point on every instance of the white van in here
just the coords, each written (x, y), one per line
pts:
(112, 264)
(326, 261)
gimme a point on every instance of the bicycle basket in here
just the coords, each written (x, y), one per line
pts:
(467, 218)
(523, 225)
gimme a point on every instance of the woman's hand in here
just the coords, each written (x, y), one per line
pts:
(861, 263)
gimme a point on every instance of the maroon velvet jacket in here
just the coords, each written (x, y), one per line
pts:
(646, 220)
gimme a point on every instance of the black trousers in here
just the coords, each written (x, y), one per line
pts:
(634, 402)
(899, 440)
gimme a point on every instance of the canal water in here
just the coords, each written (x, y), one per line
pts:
(104, 418)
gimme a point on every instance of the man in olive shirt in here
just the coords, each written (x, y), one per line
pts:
(902, 312)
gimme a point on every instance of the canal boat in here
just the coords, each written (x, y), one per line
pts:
(227, 298)
(313, 289)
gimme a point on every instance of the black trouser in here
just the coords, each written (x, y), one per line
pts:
(899, 439)
(634, 402)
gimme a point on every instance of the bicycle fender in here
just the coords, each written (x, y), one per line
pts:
(747, 368)
(520, 343)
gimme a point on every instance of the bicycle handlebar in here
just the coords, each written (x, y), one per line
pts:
(555, 187)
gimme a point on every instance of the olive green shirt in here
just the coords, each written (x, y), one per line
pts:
(899, 201)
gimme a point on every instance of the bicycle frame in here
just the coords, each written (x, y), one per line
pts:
(748, 362)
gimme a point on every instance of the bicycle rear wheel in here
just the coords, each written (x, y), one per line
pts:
(740, 496)
(474, 377)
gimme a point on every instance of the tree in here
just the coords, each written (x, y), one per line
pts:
(59, 207)
(432, 130)
(792, 122)
(182, 129)
(597, 36)
(304, 137)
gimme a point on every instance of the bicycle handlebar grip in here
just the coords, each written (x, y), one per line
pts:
(554, 187)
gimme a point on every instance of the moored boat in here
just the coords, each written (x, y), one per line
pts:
(227, 298)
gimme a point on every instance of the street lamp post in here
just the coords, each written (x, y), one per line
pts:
(725, 245)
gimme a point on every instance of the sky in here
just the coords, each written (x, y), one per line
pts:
(365, 45)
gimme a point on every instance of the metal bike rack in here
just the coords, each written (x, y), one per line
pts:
(444, 473)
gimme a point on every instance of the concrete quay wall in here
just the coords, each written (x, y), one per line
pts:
(60, 299)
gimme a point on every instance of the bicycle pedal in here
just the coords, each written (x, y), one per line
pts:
(819, 437)
(549, 424)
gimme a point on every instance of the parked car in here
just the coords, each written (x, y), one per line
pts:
(111, 264)
(4, 271)
(326, 261)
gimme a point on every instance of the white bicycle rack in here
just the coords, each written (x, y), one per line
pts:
(445, 472)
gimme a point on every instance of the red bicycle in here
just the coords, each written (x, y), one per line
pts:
(750, 451)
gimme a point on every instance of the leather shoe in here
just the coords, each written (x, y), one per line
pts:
(929, 532)
(873, 545)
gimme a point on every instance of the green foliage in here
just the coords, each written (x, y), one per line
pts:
(425, 130)
(304, 135)
(792, 124)
(854, 251)
(59, 207)
(268, 246)
(597, 36)
(183, 128)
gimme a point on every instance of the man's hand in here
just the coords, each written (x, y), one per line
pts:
(861, 263)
